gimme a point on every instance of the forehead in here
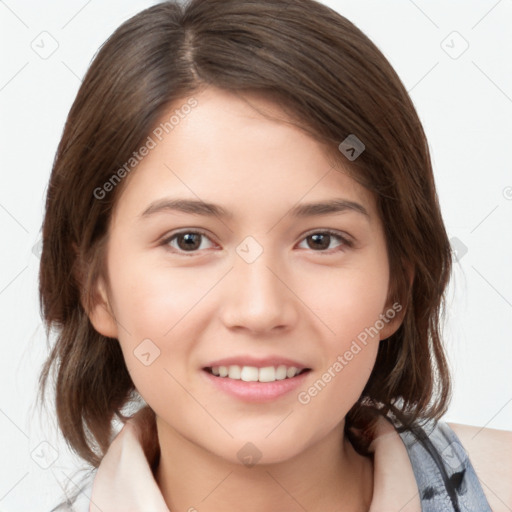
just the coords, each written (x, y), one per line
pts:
(226, 150)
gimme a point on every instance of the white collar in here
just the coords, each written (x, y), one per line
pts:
(124, 480)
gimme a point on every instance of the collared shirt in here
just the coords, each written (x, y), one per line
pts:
(422, 470)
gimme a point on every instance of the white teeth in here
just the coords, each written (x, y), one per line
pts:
(267, 374)
(234, 372)
(249, 374)
(281, 372)
(290, 372)
(253, 374)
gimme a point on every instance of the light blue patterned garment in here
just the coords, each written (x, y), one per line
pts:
(446, 479)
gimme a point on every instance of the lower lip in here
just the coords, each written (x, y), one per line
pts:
(256, 391)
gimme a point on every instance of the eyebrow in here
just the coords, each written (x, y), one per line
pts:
(197, 207)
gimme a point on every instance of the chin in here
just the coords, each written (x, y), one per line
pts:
(260, 451)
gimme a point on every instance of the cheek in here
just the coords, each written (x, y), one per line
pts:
(347, 300)
(349, 303)
(156, 308)
(349, 348)
(152, 301)
(330, 395)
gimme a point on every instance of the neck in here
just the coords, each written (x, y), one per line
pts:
(329, 475)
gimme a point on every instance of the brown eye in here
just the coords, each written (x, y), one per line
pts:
(186, 241)
(321, 241)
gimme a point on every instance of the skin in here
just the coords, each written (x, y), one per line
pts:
(295, 300)
(490, 453)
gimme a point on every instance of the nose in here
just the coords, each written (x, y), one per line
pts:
(259, 297)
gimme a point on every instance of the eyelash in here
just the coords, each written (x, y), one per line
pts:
(345, 242)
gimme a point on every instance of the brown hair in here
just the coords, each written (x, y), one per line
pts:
(335, 82)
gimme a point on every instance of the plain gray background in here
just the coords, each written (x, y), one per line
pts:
(454, 59)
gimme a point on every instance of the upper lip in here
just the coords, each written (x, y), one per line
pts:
(258, 362)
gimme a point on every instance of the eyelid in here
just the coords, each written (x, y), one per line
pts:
(342, 234)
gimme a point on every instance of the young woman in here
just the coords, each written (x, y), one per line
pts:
(242, 233)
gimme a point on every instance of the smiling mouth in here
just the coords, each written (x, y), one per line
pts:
(255, 374)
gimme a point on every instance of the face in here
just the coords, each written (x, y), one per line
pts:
(256, 281)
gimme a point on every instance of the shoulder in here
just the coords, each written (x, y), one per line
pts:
(490, 453)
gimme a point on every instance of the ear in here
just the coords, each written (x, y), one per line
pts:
(394, 312)
(100, 312)
(94, 300)
(392, 317)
